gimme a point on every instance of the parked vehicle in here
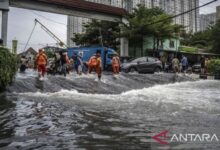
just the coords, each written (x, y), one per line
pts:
(142, 65)
(86, 52)
(196, 68)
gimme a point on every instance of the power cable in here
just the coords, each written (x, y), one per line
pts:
(30, 36)
(49, 19)
(183, 13)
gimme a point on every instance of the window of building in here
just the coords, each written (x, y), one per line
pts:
(172, 44)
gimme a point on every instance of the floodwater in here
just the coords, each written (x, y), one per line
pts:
(120, 113)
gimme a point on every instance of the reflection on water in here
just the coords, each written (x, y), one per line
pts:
(55, 117)
(6, 120)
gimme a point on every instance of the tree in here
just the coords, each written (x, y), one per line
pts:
(200, 38)
(98, 33)
(144, 21)
(208, 39)
(8, 68)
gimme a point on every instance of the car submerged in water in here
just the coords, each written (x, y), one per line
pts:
(142, 65)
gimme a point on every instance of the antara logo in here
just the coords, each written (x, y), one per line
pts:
(162, 138)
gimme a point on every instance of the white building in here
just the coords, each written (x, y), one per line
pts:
(207, 20)
(173, 7)
(74, 25)
(189, 20)
(218, 13)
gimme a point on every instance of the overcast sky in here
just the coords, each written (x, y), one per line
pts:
(21, 23)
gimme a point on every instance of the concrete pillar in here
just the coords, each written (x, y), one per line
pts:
(4, 27)
(124, 46)
(124, 41)
(4, 7)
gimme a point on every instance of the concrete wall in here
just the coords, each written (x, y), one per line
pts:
(148, 45)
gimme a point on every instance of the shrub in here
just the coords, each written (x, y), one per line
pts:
(214, 66)
(8, 67)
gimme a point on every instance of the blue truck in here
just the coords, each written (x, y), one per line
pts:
(86, 52)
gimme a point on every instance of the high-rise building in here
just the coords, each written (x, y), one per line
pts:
(189, 20)
(127, 4)
(207, 20)
(173, 7)
(75, 24)
(218, 13)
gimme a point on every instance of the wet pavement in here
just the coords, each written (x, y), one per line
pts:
(121, 112)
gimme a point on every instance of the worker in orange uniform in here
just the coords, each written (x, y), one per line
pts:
(95, 63)
(115, 64)
(41, 62)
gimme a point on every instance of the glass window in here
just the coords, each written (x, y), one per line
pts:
(142, 59)
(150, 59)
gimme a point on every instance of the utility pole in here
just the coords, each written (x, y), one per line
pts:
(100, 33)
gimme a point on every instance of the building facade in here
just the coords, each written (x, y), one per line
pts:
(189, 20)
(75, 24)
(218, 13)
(173, 7)
(207, 20)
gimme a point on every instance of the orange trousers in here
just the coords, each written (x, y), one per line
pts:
(116, 69)
(97, 69)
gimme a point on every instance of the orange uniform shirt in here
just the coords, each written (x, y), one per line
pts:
(41, 59)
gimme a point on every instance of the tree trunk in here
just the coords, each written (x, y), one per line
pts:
(142, 45)
(135, 45)
(154, 46)
(158, 42)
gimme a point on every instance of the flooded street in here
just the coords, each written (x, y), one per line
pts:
(121, 112)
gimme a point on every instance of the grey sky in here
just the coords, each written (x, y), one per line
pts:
(209, 8)
(21, 22)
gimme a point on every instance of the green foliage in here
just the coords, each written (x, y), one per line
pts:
(201, 39)
(50, 54)
(8, 67)
(208, 39)
(214, 66)
(95, 31)
(188, 49)
(141, 22)
(151, 22)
